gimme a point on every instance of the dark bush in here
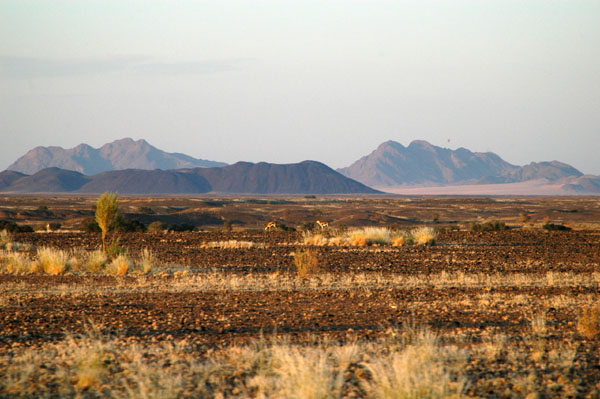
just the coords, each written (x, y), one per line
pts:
(91, 226)
(12, 227)
(494, 225)
(182, 227)
(123, 225)
(54, 226)
(555, 227)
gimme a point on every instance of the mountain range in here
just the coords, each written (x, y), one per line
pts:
(136, 167)
(118, 155)
(393, 167)
(240, 178)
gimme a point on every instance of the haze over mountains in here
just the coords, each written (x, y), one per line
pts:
(118, 155)
(136, 167)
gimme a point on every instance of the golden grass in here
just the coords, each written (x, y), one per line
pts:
(96, 365)
(588, 323)
(232, 244)
(368, 236)
(423, 235)
(52, 261)
(119, 265)
(307, 263)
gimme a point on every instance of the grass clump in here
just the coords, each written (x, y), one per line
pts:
(369, 236)
(14, 262)
(119, 265)
(307, 263)
(146, 262)
(51, 261)
(588, 323)
(423, 236)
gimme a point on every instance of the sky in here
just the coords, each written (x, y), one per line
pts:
(288, 80)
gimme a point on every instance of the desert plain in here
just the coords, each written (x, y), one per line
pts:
(508, 310)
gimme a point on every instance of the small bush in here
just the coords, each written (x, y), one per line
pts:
(589, 322)
(157, 227)
(91, 226)
(555, 227)
(12, 227)
(493, 225)
(307, 263)
(123, 225)
(146, 209)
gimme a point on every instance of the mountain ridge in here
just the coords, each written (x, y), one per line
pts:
(392, 165)
(117, 155)
(307, 177)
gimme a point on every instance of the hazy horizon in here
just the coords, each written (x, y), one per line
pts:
(286, 81)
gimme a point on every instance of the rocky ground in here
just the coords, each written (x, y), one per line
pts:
(519, 302)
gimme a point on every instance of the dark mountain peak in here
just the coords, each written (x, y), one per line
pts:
(308, 177)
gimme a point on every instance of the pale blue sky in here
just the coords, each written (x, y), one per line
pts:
(284, 81)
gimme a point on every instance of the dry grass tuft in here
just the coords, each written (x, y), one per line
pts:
(147, 261)
(14, 262)
(96, 261)
(424, 236)
(307, 263)
(232, 244)
(51, 261)
(119, 265)
(589, 321)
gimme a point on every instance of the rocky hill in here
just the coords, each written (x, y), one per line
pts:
(118, 155)
(308, 177)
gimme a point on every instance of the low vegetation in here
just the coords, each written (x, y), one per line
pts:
(232, 244)
(405, 364)
(368, 236)
(57, 262)
(307, 263)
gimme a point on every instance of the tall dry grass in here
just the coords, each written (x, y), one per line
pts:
(97, 365)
